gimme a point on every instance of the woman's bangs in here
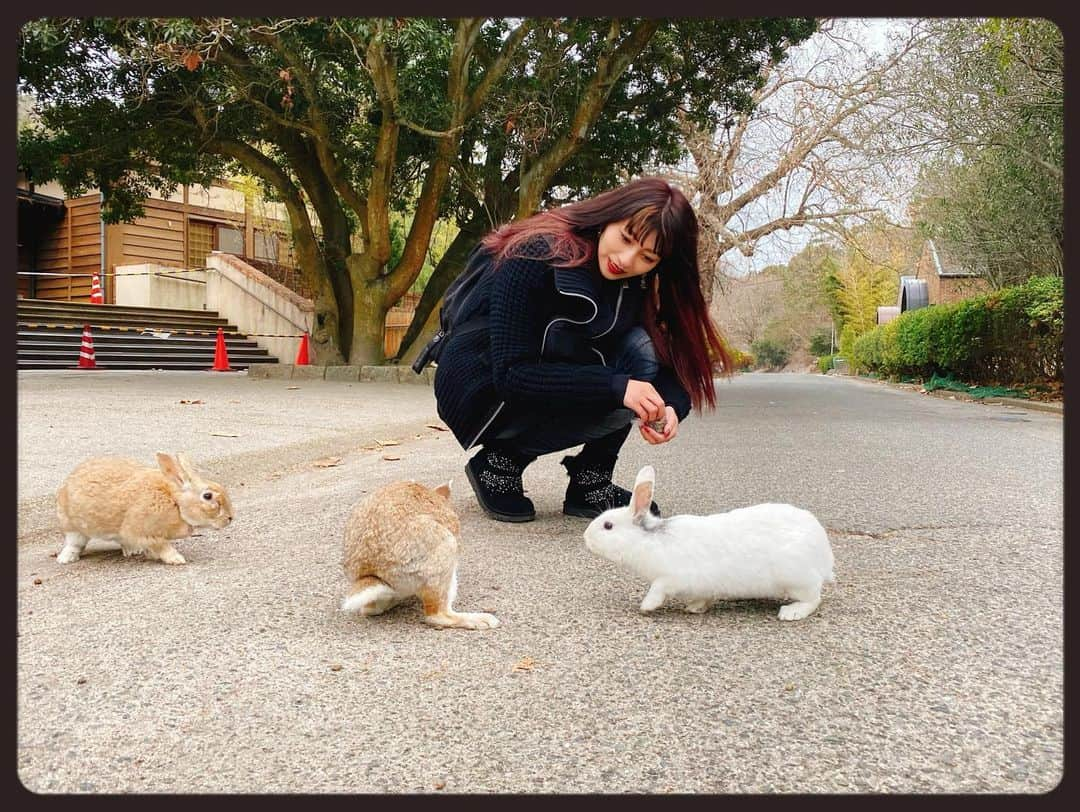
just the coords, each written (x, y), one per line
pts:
(648, 221)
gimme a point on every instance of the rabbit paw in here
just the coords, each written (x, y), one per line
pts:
(480, 620)
(698, 607)
(463, 620)
(653, 598)
(67, 556)
(798, 610)
(166, 555)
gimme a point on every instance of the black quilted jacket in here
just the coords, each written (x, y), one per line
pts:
(551, 335)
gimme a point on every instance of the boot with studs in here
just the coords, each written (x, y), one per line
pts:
(495, 475)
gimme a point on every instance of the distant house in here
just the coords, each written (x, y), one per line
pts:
(938, 279)
(947, 280)
(63, 240)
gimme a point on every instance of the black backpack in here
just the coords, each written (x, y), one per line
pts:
(453, 305)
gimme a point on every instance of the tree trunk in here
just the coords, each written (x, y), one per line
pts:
(369, 325)
(425, 320)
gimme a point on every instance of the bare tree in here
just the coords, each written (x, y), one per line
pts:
(748, 306)
(814, 151)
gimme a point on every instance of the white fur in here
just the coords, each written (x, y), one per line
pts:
(74, 544)
(771, 551)
(373, 600)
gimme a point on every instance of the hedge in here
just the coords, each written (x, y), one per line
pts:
(1014, 335)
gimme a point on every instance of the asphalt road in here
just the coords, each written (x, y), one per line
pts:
(935, 663)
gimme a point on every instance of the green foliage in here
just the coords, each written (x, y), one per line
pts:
(995, 192)
(821, 342)
(130, 105)
(1013, 335)
(825, 362)
(769, 353)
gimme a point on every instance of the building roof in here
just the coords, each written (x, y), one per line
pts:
(945, 263)
(38, 199)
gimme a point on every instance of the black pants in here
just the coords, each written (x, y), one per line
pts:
(536, 432)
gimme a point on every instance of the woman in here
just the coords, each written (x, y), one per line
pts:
(592, 315)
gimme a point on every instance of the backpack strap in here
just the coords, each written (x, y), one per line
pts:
(434, 347)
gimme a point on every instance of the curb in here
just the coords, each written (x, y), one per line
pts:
(1036, 405)
(1054, 407)
(388, 373)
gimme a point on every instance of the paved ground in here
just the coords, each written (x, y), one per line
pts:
(935, 663)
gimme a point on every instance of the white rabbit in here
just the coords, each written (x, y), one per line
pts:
(770, 551)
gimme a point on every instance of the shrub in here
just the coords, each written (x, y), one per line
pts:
(770, 354)
(1013, 335)
(821, 343)
(825, 362)
(741, 360)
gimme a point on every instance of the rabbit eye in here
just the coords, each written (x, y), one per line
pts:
(607, 525)
(207, 495)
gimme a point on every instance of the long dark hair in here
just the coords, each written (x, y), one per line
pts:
(676, 316)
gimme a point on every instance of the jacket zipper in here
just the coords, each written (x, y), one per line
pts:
(614, 321)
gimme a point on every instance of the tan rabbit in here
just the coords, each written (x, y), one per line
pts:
(145, 509)
(401, 541)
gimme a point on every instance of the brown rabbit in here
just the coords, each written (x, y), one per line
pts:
(401, 541)
(145, 509)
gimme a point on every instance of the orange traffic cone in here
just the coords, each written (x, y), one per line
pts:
(302, 355)
(221, 357)
(86, 351)
(96, 296)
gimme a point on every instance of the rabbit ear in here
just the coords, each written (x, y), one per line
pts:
(190, 473)
(444, 490)
(171, 468)
(643, 491)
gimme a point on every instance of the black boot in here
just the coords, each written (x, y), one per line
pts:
(591, 490)
(495, 475)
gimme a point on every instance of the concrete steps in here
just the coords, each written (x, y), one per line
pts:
(49, 336)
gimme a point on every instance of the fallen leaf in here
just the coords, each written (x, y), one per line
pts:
(37, 580)
(335, 667)
(440, 785)
(192, 402)
(276, 474)
(81, 681)
(525, 664)
(390, 458)
(790, 686)
(436, 427)
(222, 434)
(387, 442)
(292, 387)
(327, 462)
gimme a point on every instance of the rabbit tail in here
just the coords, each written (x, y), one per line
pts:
(370, 596)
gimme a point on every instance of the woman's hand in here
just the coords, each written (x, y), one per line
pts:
(643, 400)
(671, 428)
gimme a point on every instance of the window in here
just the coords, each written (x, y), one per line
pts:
(266, 245)
(204, 237)
(200, 243)
(230, 240)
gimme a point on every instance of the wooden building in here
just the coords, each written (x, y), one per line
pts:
(64, 240)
